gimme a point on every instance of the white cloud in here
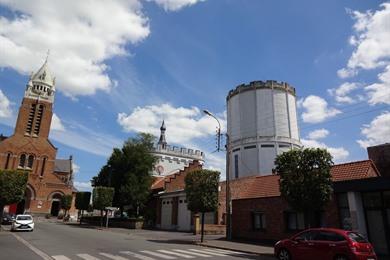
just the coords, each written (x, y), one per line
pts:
(56, 123)
(377, 132)
(5, 106)
(339, 154)
(318, 134)
(81, 36)
(183, 124)
(342, 93)
(76, 168)
(83, 186)
(317, 110)
(372, 51)
(380, 92)
(85, 139)
(175, 5)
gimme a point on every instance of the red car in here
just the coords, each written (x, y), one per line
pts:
(325, 244)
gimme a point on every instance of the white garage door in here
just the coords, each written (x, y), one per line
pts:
(166, 214)
(184, 218)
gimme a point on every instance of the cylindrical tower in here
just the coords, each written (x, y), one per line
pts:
(262, 123)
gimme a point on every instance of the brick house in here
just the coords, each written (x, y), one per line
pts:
(29, 149)
(260, 213)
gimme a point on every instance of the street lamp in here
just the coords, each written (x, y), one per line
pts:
(228, 200)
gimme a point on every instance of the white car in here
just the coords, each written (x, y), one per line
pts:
(23, 222)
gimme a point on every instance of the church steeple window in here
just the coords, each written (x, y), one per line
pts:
(30, 120)
(38, 120)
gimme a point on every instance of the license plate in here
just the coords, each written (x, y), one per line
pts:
(370, 259)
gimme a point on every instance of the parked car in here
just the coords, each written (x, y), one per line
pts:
(23, 222)
(7, 219)
(325, 244)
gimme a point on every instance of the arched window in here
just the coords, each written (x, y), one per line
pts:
(30, 121)
(22, 161)
(38, 119)
(43, 166)
(30, 161)
(7, 160)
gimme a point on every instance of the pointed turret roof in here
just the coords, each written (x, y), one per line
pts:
(162, 140)
(44, 76)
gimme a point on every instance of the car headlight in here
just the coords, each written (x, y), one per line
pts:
(277, 243)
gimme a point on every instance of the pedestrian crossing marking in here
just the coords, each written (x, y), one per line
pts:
(60, 257)
(191, 253)
(207, 252)
(223, 251)
(114, 257)
(158, 254)
(87, 257)
(175, 253)
(136, 255)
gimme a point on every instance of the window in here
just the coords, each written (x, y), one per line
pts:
(43, 166)
(22, 161)
(267, 145)
(258, 221)
(30, 121)
(7, 160)
(295, 221)
(30, 161)
(237, 149)
(372, 200)
(345, 215)
(236, 166)
(250, 147)
(306, 236)
(38, 120)
(329, 236)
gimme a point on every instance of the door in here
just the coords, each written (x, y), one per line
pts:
(166, 214)
(55, 208)
(184, 218)
(376, 231)
(303, 246)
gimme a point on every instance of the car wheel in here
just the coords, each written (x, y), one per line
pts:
(340, 257)
(284, 254)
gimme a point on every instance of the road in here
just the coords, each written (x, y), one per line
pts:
(64, 242)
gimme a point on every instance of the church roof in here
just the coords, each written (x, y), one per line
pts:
(63, 165)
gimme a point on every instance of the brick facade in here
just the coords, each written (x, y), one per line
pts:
(380, 155)
(29, 149)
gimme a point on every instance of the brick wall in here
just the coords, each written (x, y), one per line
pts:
(273, 208)
(380, 155)
(176, 182)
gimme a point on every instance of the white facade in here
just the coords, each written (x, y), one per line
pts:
(262, 123)
(172, 159)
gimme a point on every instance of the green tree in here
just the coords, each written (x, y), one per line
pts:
(82, 202)
(102, 198)
(66, 204)
(305, 180)
(128, 172)
(202, 192)
(12, 187)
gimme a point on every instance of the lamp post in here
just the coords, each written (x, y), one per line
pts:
(228, 198)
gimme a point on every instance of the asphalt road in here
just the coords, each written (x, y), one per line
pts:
(64, 242)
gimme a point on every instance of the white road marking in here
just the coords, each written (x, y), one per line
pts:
(223, 251)
(137, 255)
(114, 257)
(175, 253)
(33, 248)
(191, 253)
(87, 257)
(60, 257)
(157, 254)
(208, 252)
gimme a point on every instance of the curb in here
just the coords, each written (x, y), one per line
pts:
(237, 250)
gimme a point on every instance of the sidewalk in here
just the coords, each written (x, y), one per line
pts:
(266, 251)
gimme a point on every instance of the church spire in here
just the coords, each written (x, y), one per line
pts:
(41, 84)
(162, 140)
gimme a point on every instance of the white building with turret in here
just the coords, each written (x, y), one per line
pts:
(172, 159)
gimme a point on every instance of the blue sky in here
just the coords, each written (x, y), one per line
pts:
(123, 66)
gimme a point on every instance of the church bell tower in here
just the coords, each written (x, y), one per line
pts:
(35, 113)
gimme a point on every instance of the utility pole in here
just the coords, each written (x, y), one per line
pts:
(228, 205)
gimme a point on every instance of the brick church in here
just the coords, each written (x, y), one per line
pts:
(30, 149)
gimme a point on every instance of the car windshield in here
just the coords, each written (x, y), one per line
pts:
(23, 218)
(357, 237)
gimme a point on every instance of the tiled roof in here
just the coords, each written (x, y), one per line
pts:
(159, 183)
(268, 186)
(354, 170)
